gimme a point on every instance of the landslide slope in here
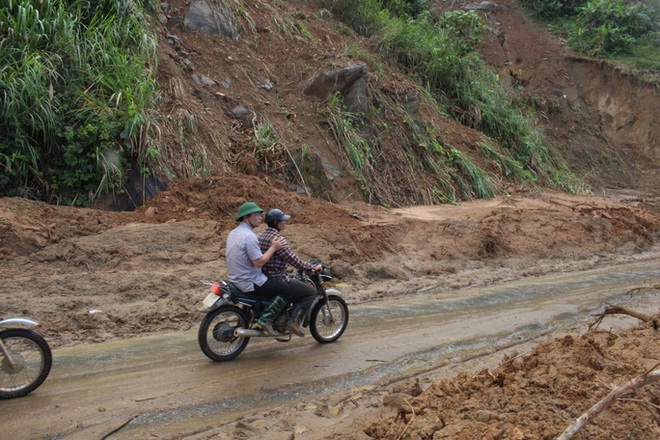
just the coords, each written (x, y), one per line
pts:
(239, 103)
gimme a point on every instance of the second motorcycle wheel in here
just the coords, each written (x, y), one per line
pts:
(26, 365)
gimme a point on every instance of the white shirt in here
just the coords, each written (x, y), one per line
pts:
(242, 249)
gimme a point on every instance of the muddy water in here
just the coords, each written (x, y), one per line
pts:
(162, 385)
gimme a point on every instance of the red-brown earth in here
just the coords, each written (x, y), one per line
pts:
(141, 268)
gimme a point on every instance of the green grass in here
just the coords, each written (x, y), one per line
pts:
(441, 56)
(77, 92)
(626, 32)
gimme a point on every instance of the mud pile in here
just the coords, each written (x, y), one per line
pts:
(538, 395)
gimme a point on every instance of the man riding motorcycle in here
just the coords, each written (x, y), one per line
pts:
(302, 294)
(245, 260)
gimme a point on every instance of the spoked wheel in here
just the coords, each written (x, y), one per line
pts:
(27, 365)
(328, 325)
(216, 333)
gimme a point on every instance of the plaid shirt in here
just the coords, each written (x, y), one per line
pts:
(275, 267)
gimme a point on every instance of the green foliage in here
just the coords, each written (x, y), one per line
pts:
(401, 8)
(604, 27)
(466, 28)
(610, 26)
(77, 92)
(564, 179)
(550, 9)
(644, 55)
(443, 56)
(366, 17)
(346, 130)
(270, 151)
(511, 168)
(472, 180)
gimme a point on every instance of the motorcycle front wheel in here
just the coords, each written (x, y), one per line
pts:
(329, 320)
(216, 333)
(28, 364)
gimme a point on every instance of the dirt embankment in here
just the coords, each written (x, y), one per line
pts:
(139, 271)
(89, 276)
(535, 395)
(598, 118)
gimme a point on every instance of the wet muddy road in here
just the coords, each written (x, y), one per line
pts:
(163, 387)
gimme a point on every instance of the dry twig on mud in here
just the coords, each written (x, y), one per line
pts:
(637, 289)
(649, 377)
(397, 401)
(412, 410)
(614, 310)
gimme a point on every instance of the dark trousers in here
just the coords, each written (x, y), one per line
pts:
(302, 293)
(272, 288)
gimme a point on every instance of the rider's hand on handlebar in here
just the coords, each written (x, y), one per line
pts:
(318, 268)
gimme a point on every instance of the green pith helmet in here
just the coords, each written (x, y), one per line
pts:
(247, 208)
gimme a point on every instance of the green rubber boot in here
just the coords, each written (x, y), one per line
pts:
(265, 321)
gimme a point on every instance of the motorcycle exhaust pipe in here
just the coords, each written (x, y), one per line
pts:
(254, 333)
(249, 333)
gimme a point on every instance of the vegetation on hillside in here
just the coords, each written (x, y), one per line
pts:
(77, 91)
(612, 29)
(440, 52)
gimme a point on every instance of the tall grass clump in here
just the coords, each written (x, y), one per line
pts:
(77, 93)
(346, 129)
(470, 178)
(440, 53)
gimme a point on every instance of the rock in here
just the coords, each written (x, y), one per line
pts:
(324, 84)
(209, 18)
(356, 100)
(202, 80)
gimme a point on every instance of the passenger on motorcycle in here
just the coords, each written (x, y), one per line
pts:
(245, 260)
(302, 294)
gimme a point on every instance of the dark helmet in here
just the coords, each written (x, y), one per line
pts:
(276, 215)
(247, 209)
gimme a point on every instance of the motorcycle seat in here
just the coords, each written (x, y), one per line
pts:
(237, 295)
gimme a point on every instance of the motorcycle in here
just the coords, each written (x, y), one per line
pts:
(26, 358)
(225, 330)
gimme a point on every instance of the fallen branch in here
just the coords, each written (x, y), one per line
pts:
(632, 385)
(614, 310)
(637, 289)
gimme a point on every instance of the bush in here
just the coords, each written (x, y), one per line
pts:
(611, 26)
(552, 9)
(600, 27)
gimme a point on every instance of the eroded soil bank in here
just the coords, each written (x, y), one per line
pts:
(90, 276)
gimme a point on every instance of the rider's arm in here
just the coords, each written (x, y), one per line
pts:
(277, 244)
(288, 255)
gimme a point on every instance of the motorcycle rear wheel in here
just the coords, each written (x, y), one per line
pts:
(32, 361)
(323, 326)
(216, 333)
